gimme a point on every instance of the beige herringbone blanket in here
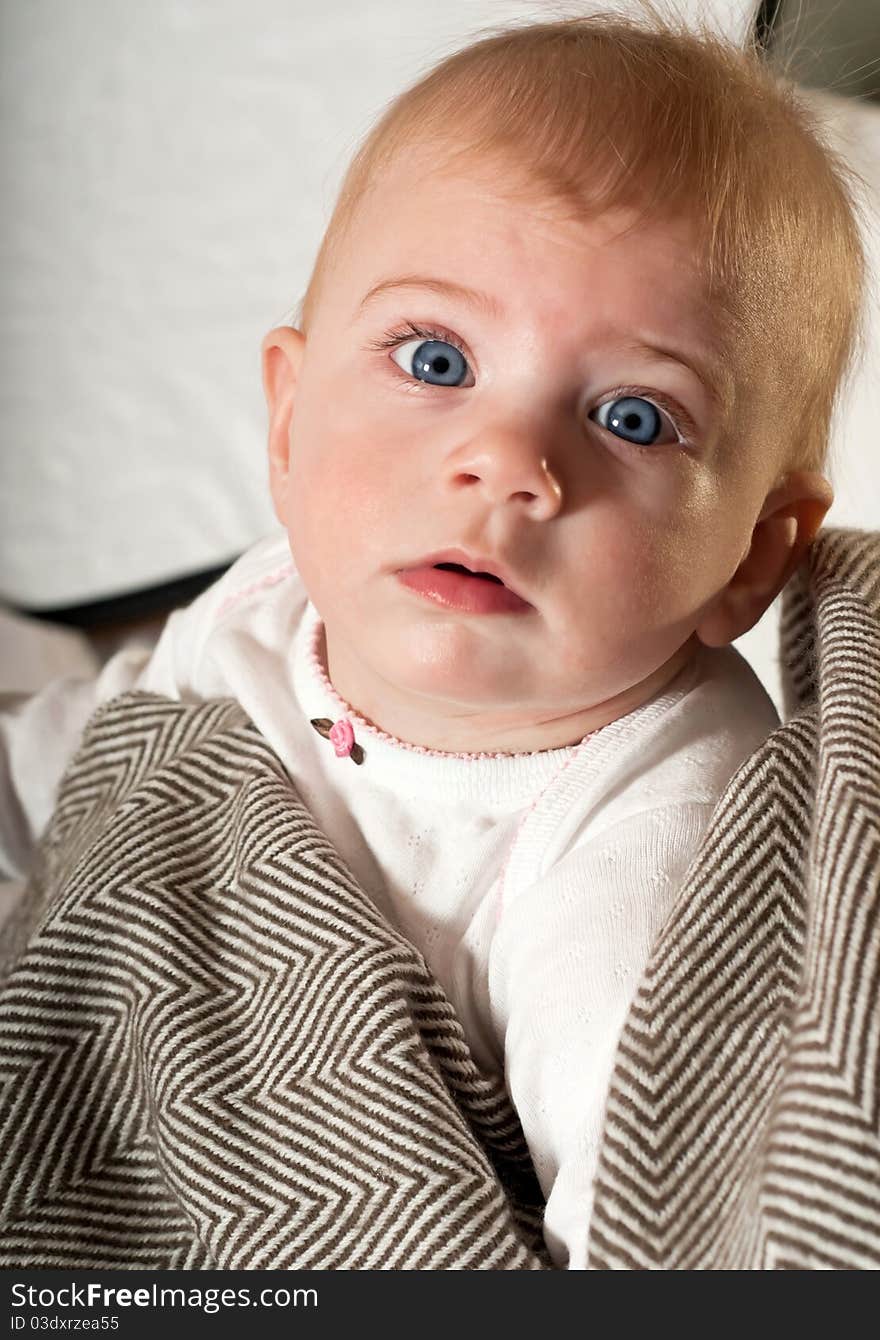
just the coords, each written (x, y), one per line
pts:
(214, 1052)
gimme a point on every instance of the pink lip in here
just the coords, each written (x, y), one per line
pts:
(474, 562)
(454, 590)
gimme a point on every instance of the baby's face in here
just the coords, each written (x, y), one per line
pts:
(530, 396)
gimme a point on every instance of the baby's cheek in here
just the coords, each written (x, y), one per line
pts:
(652, 572)
(335, 513)
(627, 548)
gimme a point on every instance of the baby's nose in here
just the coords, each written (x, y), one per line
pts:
(509, 466)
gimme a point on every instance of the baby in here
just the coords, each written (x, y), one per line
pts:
(546, 436)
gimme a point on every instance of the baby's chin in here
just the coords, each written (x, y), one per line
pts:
(454, 690)
(454, 665)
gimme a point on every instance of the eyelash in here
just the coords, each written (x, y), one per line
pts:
(681, 420)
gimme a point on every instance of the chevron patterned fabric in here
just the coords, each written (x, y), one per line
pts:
(742, 1129)
(215, 1053)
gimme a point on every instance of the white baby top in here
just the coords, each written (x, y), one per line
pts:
(533, 884)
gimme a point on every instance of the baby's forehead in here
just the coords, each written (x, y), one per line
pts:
(476, 225)
(498, 180)
(493, 176)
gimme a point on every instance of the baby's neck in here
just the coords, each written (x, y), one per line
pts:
(454, 729)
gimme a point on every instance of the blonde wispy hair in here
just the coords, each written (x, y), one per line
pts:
(668, 118)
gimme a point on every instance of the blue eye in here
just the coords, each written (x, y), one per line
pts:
(633, 419)
(433, 361)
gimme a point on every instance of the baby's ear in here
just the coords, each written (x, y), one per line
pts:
(282, 355)
(792, 514)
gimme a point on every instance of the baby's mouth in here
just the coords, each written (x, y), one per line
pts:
(466, 572)
(448, 582)
(478, 570)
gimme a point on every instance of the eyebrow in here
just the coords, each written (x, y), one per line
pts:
(447, 288)
(708, 369)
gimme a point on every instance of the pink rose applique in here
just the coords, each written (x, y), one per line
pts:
(342, 737)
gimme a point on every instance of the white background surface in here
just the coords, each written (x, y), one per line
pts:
(167, 171)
